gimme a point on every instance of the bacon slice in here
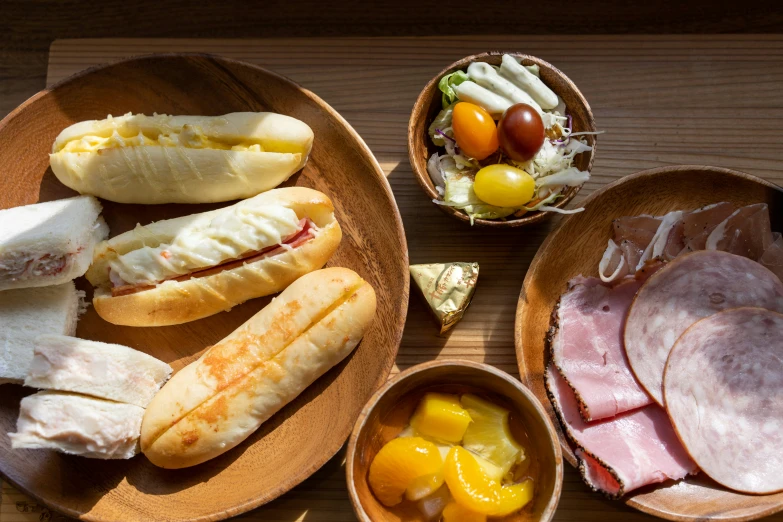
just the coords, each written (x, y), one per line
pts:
(625, 452)
(724, 394)
(305, 233)
(586, 343)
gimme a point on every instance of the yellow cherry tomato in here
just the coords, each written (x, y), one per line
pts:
(504, 186)
(475, 130)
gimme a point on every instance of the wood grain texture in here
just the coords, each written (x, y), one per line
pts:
(576, 248)
(663, 100)
(309, 430)
(428, 105)
(389, 410)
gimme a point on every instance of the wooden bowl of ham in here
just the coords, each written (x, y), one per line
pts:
(630, 463)
(388, 412)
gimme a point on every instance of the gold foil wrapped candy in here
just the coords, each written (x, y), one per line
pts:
(447, 288)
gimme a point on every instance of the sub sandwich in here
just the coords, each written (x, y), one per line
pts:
(180, 159)
(216, 402)
(183, 269)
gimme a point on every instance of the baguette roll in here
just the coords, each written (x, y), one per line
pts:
(216, 402)
(154, 295)
(180, 159)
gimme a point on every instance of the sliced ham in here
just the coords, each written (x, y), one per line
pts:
(669, 232)
(724, 394)
(698, 225)
(772, 258)
(586, 344)
(746, 232)
(624, 453)
(685, 290)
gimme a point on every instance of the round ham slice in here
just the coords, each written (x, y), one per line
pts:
(690, 288)
(723, 387)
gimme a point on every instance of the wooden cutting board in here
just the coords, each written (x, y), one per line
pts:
(662, 100)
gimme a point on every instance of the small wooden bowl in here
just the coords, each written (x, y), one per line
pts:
(390, 409)
(428, 104)
(575, 247)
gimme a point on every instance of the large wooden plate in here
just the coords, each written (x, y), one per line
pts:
(310, 430)
(576, 246)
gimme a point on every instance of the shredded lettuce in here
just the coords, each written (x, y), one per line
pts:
(447, 84)
(459, 194)
(442, 123)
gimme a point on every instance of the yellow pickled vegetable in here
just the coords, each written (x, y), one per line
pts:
(456, 513)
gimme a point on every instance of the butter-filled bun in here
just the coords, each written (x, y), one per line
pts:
(180, 159)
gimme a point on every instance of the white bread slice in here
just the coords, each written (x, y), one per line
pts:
(180, 159)
(78, 425)
(215, 403)
(106, 371)
(49, 243)
(176, 302)
(27, 313)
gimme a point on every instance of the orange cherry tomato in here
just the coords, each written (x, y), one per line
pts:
(475, 130)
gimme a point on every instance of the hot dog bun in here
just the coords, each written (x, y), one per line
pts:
(219, 289)
(180, 159)
(215, 403)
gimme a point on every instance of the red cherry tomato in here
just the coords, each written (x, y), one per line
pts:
(520, 132)
(474, 130)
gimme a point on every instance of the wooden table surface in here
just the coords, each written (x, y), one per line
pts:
(663, 100)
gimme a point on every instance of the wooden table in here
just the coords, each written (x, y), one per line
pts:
(662, 100)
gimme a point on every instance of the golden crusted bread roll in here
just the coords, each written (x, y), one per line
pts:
(180, 159)
(183, 269)
(215, 403)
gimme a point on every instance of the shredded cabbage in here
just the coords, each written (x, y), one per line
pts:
(442, 122)
(571, 177)
(447, 84)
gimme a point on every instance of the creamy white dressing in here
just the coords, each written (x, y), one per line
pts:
(206, 243)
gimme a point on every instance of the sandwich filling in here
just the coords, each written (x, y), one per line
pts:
(190, 137)
(305, 230)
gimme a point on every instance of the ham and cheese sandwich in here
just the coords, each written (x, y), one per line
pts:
(48, 243)
(216, 402)
(180, 159)
(183, 269)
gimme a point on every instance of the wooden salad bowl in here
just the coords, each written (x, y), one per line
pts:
(307, 432)
(428, 104)
(390, 409)
(575, 247)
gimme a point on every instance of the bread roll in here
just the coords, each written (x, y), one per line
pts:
(216, 402)
(180, 159)
(177, 300)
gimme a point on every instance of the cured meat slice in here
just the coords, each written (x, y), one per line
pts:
(698, 225)
(625, 452)
(746, 232)
(669, 232)
(724, 394)
(685, 290)
(772, 258)
(636, 229)
(586, 342)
